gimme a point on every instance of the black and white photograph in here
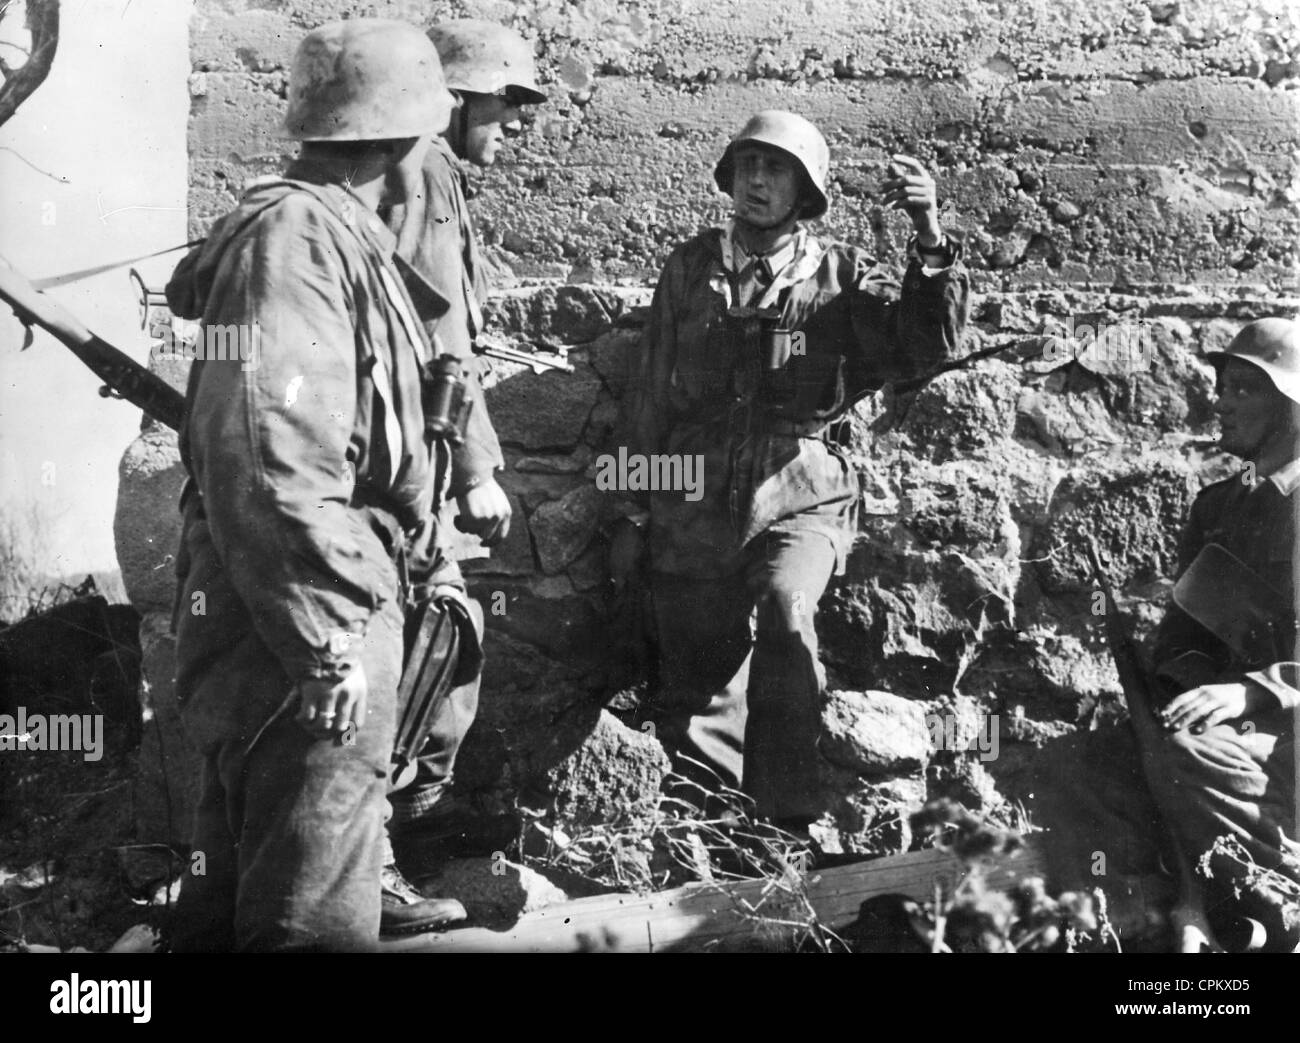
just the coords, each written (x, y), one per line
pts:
(683, 476)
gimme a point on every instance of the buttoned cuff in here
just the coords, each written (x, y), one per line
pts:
(338, 659)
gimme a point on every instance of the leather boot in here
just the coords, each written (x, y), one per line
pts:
(404, 911)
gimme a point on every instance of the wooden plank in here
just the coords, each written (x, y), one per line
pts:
(704, 915)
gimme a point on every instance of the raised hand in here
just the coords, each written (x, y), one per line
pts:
(909, 187)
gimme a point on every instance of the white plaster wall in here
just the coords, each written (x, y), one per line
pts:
(93, 168)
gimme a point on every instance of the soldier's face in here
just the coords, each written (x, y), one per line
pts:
(1252, 412)
(489, 117)
(766, 186)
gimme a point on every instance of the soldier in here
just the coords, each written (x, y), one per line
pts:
(490, 72)
(761, 336)
(304, 471)
(1229, 688)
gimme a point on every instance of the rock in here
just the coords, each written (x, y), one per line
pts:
(1053, 674)
(573, 463)
(542, 740)
(874, 733)
(589, 572)
(1064, 412)
(575, 73)
(534, 711)
(1133, 510)
(910, 621)
(866, 818)
(604, 422)
(963, 410)
(492, 890)
(568, 314)
(615, 774)
(147, 525)
(544, 412)
(562, 529)
(614, 356)
(964, 505)
(1066, 212)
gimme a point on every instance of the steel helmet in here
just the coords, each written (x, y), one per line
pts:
(794, 136)
(487, 58)
(1274, 346)
(366, 79)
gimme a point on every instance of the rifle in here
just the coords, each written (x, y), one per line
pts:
(1189, 917)
(537, 360)
(123, 377)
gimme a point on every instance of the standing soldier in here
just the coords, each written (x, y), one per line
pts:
(304, 471)
(761, 336)
(490, 72)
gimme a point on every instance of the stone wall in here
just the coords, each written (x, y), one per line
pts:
(1109, 163)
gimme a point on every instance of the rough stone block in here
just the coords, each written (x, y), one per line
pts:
(544, 412)
(874, 733)
(562, 529)
(1133, 509)
(963, 411)
(147, 525)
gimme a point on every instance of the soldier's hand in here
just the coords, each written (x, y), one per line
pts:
(1211, 704)
(909, 187)
(327, 708)
(485, 512)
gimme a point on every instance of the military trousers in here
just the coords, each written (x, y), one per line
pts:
(288, 831)
(739, 685)
(1235, 779)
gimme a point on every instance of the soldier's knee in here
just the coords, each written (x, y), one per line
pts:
(784, 612)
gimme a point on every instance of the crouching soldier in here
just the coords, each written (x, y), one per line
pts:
(490, 71)
(1225, 659)
(305, 470)
(761, 336)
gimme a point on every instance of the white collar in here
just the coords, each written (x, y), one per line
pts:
(776, 262)
(804, 255)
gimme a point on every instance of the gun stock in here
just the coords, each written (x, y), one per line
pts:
(1190, 922)
(122, 374)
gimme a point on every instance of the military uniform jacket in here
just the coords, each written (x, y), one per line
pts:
(1258, 526)
(440, 259)
(306, 465)
(772, 462)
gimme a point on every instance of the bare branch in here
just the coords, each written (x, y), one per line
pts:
(43, 23)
